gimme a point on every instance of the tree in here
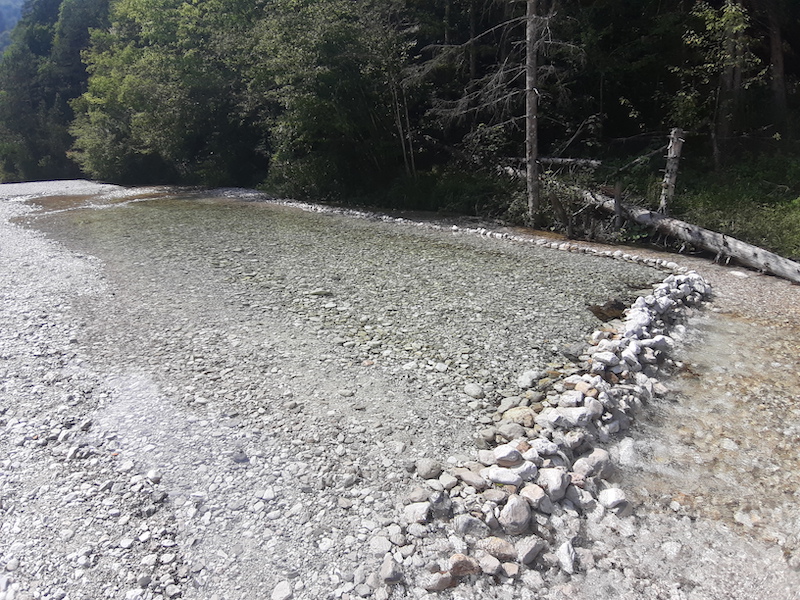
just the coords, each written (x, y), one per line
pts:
(185, 58)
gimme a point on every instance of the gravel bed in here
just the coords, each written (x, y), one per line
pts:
(202, 398)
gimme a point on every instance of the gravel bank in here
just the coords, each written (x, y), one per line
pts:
(205, 399)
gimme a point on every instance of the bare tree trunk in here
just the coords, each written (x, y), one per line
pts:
(473, 31)
(722, 245)
(777, 73)
(398, 121)
(532, 111)
(671, 172)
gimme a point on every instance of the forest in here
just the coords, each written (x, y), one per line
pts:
(419, 104)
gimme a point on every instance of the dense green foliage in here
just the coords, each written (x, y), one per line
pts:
(409, 103)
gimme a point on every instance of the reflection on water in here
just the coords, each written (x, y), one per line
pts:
(724, 444)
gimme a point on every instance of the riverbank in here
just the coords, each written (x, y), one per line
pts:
(227, 401)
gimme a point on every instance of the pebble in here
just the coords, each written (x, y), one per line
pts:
(282, 591)
(473, 390)
(428, 468)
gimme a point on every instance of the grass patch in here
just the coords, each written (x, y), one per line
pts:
(757, 201)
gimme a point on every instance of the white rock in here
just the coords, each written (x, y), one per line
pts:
(506, 455)
(501, 475)
(554, 482)
(529, 548)
(527, 471)
(417, 512)
(282, 591)
(608, 359)
(566, 557)
(528, 379)
(612, 497)
(473, 390)
(515, 516)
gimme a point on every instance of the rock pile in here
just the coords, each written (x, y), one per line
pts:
(515, 511)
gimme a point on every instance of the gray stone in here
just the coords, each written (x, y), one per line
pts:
(380, 545)
(529, 548)
(418, 494)
(527, 471)
(437, 582)
(489, 564)
(473, 390)
(390, 572)
(515, 516)
(448, 481)
(417, 512)
(501, 475)
(611, 497)
(428, 468)
(282, 591)
(554, 482)
(566, 557)
(499, 548)
(528, 379)
(510, 431)
(596, 463)
(469, 526)
(544, 447)
(508, 403)
(471, 478)
(506, 455)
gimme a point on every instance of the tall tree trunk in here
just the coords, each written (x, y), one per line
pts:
(532, 111)
(777, 74)
(473, 31)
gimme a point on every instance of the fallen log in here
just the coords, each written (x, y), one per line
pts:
(722, 245)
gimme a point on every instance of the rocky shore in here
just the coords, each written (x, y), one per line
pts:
(200, 400)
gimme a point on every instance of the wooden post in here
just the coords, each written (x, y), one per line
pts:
(671, 172)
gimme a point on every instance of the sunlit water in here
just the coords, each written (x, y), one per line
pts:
(725, 445)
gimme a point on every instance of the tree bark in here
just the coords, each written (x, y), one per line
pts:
(777, 74)
(722, 245)
(532, 111)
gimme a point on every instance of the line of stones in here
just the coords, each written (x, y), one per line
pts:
(546, 463)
